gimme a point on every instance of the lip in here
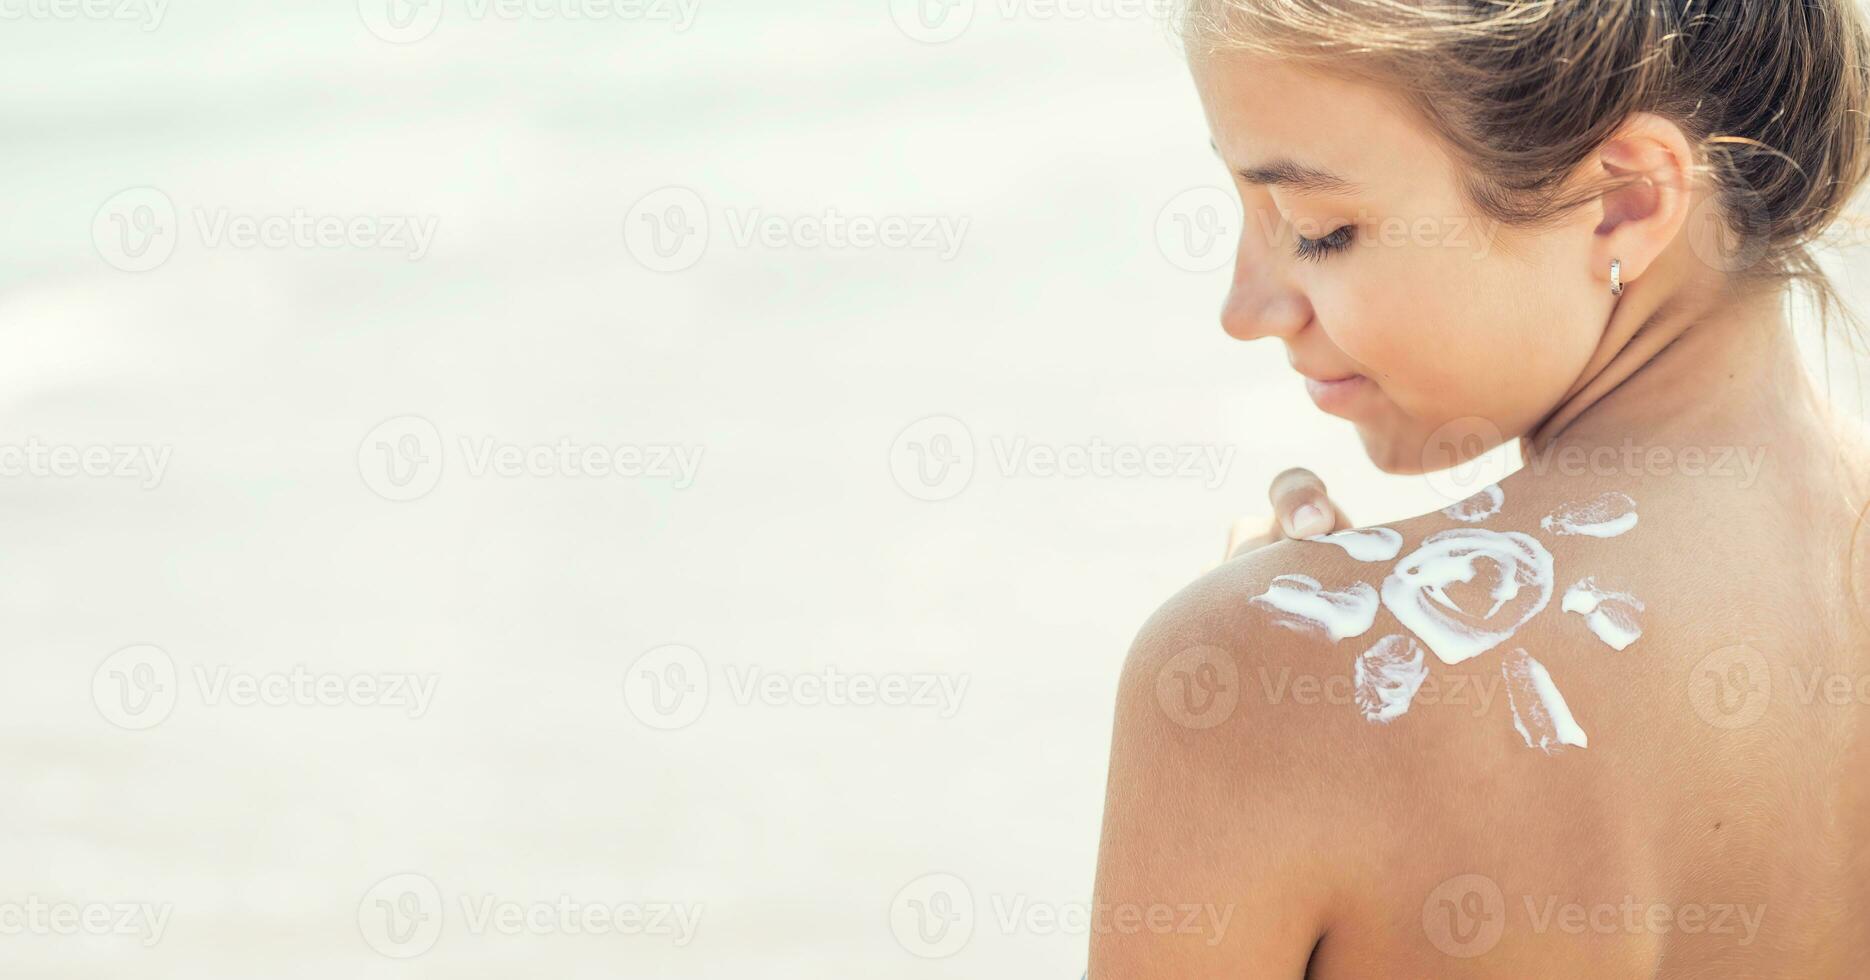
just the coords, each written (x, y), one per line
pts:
(1336, 396)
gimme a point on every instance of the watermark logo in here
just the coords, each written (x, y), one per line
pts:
(941, 21)
(932, 21)
(667, 230)
(1196, 229)
(401, 459)
(135, 688)
(409, 21)
(1731, 688)
(400, 21)
(1199, 687)
(139, 229)
(1283, 685)
(1740, 464)
(667, 687)
(932, 459)
(1730, 232)
(136, 230)
(401, 916)
(831, 687)
(1457, 460)
(1465, 916)
(933, 916)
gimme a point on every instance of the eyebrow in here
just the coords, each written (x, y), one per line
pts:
(1299, 177)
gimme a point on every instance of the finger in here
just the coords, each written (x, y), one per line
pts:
(1301, 505)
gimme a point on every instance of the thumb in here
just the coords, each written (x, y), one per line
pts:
(1300, 504)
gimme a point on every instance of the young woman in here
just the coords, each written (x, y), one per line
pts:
(1609, 716)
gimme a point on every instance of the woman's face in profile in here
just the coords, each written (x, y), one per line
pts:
(1405, 309)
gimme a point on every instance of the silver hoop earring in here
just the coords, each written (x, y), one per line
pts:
(1616, 277)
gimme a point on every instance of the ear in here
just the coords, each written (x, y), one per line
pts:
(1639, 221)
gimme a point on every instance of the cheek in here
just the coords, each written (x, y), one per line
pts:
(1448, 334)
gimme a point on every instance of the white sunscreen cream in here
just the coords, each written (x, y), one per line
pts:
(1612, 615)
(1366, 544)
(1539, 711)
(1603, 516)
(1299, 603)
(1424, 591)
(1479, 507)
(1388, 675)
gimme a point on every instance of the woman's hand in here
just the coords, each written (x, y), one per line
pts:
(1301, 509)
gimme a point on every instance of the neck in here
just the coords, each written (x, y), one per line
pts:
(1673, 369)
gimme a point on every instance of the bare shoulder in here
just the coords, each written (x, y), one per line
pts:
(1316, 732)
(1255, 767)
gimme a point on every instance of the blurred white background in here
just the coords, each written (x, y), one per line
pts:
(276, 463)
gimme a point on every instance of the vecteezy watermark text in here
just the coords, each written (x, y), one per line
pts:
(409, 21)
(146, 14)
(402, 459)
(934, 917)
(940, 21)
(669, 686)
(138, 687)
(143, 462)
(934, 458)
(1467, 915)
(669, 230)
(139, 229)
(36, 916)
(402, 916)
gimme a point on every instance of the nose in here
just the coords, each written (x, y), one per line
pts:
(1262, 301)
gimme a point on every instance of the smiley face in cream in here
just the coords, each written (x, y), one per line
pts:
(1468, 590)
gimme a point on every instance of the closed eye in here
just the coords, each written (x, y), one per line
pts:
(1315, 249)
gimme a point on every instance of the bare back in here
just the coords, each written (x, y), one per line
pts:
(1714, 824)
(1693, 806)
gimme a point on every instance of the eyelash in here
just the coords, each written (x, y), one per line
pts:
(1315, 249)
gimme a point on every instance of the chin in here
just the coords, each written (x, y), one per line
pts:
(1402, 446)
(1391, 452)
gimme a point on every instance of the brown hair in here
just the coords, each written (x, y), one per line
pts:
(1774, 93)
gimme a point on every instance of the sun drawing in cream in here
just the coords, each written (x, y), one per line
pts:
(1540, 714)
(1479, 507)
(1461, 593)
(1610, 614)
(1300, 603)
(1603, 516)
(1366, 543)
(1388, 675)
(1511, 572)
